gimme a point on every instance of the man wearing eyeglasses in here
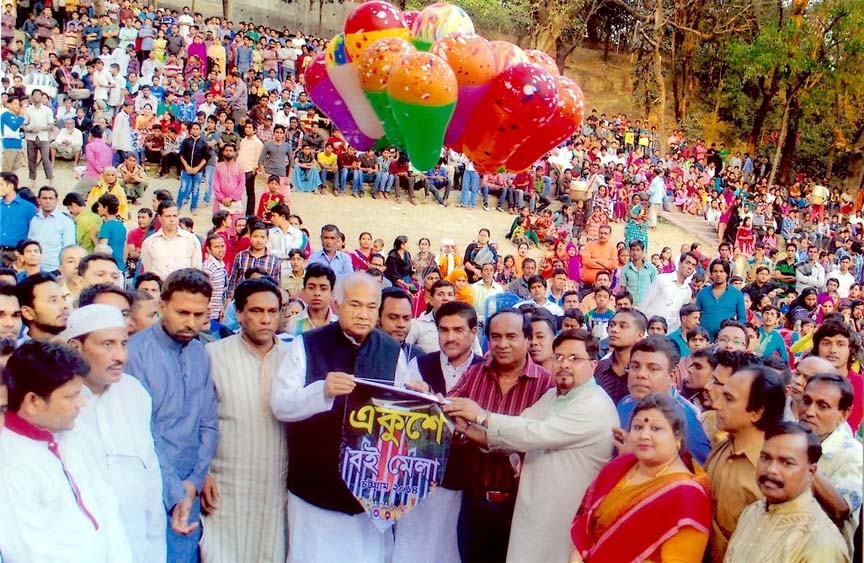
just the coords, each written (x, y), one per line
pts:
(567, 438)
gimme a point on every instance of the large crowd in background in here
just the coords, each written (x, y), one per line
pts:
(609, 403)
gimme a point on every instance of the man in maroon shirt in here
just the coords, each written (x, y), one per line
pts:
(507, 383)
(349, 165)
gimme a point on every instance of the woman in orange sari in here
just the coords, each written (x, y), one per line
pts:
(648, 505)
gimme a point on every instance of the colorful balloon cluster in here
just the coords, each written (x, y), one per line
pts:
(423, 80)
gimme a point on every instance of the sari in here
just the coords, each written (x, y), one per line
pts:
(618, 523)
(360, 261)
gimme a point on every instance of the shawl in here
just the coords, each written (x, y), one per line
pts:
(645, 519)
(465, 294)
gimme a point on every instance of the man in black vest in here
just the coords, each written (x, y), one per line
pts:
(325, 521)
(427, 534)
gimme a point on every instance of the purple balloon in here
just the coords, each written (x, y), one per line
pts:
(466, 102)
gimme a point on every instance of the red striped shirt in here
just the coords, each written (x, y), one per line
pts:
(492, 471)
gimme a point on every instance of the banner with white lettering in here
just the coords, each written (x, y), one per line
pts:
(394, 450)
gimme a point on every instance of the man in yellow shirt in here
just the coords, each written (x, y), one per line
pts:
(327, 161)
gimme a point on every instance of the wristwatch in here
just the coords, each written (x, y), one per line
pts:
(480, 419)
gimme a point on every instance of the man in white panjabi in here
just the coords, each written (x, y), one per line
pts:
(567, 437)
(325, 521)
(244, 496)
(115, 425)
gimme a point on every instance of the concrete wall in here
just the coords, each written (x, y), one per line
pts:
(299, 14)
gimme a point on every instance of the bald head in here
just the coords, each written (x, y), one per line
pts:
(811, 365)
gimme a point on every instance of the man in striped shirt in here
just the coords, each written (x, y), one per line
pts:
(257, 256)
(507, 383)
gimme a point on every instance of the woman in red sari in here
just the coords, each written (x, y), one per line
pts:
(361, 256)
(648, 505)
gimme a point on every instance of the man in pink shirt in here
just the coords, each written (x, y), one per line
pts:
(99, 156)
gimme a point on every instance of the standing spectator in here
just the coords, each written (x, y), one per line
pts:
(39, 455)
(38, 126)
(87, 223)
(248, 154)
(99, 157)
(11, 122)
(194, 155)
(170, 248)
(174, 368)
(228, 183)
(214, 265)
(115, 421)
(51, 228)
(256, 256)
(16, 214)
(490, 483)
(112, 233)
(720, 301)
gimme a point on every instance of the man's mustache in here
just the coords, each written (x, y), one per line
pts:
(765, 479)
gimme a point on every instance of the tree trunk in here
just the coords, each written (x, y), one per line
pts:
(320, 17)
(658, 69)
(718, 97)
(761, 114)
(777, 152)
(676, 84)
(608, 39)
(226, 9)
(789, 142)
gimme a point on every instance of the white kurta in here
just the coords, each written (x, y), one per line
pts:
(116, 428)
(251, 462)
(40, 520)
(317, 534)
(568, 440)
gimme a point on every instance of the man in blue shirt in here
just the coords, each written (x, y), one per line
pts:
(175, 369)
(690, 316)
(52, 228)
(11, 120)
(651, 370)
(15, 215)
(330, 255)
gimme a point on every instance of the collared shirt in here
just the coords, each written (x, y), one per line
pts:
(301, 322)
(548, 304)
(615, 385)
(279, 242)
(841, 464)
(341, 262)
(15, 220)
(248, 151)
(218, 278)
(244, 260)
(116, 428)
(48, 481)
(730, 305)
(54, 233)
(665, 298)
(733, 488)
(85, 222)
(795, 530)
(493, 471)
(163, 255)
(185, 419)
(452, 374)
(481, 293)
(638, 281)
(99, 157)
(696, 441)
(38, 117)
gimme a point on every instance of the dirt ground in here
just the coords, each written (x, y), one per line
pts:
(383, 218)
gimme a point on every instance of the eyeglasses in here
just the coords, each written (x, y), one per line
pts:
(735, 341)
(572, 358)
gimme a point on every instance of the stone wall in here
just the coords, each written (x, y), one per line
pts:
(299, 14)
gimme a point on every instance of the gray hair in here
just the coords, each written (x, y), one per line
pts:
(353, 280)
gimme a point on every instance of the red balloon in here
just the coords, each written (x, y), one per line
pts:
(519, 102)
(409, 17)
(566, 119)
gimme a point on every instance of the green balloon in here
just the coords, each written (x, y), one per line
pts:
(381, 104)
(424, 128)
(421, 45)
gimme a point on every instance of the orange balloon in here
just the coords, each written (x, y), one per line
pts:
(378, 59)
(506, 54)
(423, 79)
(541, 58)
(469, 55)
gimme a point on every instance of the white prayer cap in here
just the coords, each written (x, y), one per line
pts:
(92, 318)
(448, 242)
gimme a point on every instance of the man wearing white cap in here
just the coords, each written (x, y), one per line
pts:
(115, 423)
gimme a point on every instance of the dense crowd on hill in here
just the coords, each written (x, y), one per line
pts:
(609, 403)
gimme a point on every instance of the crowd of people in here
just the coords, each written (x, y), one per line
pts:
(175, 398)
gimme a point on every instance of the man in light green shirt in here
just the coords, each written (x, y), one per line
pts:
(87, 223)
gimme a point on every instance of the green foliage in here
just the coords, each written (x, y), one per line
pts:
(492, 18)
